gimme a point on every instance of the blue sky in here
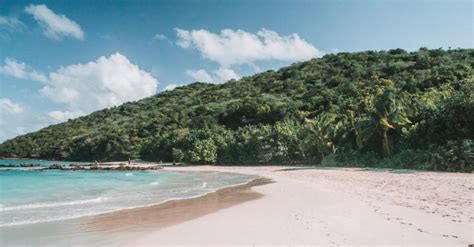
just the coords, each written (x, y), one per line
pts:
(63, 59)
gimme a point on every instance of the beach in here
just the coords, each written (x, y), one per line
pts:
(333, 207)
(285, 206)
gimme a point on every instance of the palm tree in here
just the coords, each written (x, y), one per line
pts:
(390, 112)
(325, 133)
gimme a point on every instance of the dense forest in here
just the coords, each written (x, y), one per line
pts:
(391, 108)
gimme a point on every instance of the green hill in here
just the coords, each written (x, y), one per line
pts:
(385, 109)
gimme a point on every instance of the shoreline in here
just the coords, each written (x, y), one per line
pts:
(333, 207)
(241, 186)
(103, 227)
(311, 206)
(176, 211)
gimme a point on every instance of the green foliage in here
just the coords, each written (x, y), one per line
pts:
(380, 109)
(178, 155)
(204, 151)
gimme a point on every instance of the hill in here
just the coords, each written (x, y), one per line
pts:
(385, 109)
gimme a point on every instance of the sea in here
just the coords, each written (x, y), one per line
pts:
(29, 195)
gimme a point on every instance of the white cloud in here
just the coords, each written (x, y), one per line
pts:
(171, 87)
(62, 116)
(160, 36)
(81, 88)
(20, 130)
(220, 75)
(236, 47)
(225, 74)
(54, 26)
(12, 117)
(11, 23)
(21, 71)
(200, 75)
(106, 82)
(84, 88)
(8, 106)
(18, 120)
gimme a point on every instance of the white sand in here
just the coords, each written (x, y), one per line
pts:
(332, 207)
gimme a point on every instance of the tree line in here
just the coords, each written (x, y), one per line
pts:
(380, 109)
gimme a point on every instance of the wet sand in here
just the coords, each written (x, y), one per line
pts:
(116, 228)
(175, 211)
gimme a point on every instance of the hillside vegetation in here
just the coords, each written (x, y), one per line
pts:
(383, 109)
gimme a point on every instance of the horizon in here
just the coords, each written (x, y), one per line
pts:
(84, 56)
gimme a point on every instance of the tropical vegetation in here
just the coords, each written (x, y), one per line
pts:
(391, 108)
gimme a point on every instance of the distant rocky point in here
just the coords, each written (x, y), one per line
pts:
(109, 166)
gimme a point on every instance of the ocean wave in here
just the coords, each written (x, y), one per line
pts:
(52, 204)
(194, 191)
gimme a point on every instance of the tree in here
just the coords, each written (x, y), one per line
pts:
(389, 114)
(203, 151)
(178, 155)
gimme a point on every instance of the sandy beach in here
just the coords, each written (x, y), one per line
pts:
(333, 207)
(286, 206)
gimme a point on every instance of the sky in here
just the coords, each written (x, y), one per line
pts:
(64, 59)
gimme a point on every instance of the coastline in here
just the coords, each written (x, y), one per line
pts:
(176, 211)
(333, 207)
(116, 227)
(285, 206)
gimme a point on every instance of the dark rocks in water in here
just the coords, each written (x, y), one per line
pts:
(155, 168)
(9, 165)
(75, 167)
(56, 167)
(21, 165)
(120, 167)
(29, 165)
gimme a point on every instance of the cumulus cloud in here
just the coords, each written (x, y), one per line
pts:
(10, 113)
(21, 71)
(9, 106)
(62, 116)
(200, 75)
(236, 47)
(220, 75)
(224, 74)
(54, 26)
(171, 87)
(83, 88)
(106, 82)
(16, 119)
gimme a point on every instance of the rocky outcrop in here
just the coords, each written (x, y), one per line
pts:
(105, 167)
(29, 165)
(56, 167)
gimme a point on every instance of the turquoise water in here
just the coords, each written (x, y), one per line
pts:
(30, 196)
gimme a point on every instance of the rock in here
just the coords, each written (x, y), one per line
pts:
(75, 167)
(9, 165)
(56, 167)
(29, 165)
